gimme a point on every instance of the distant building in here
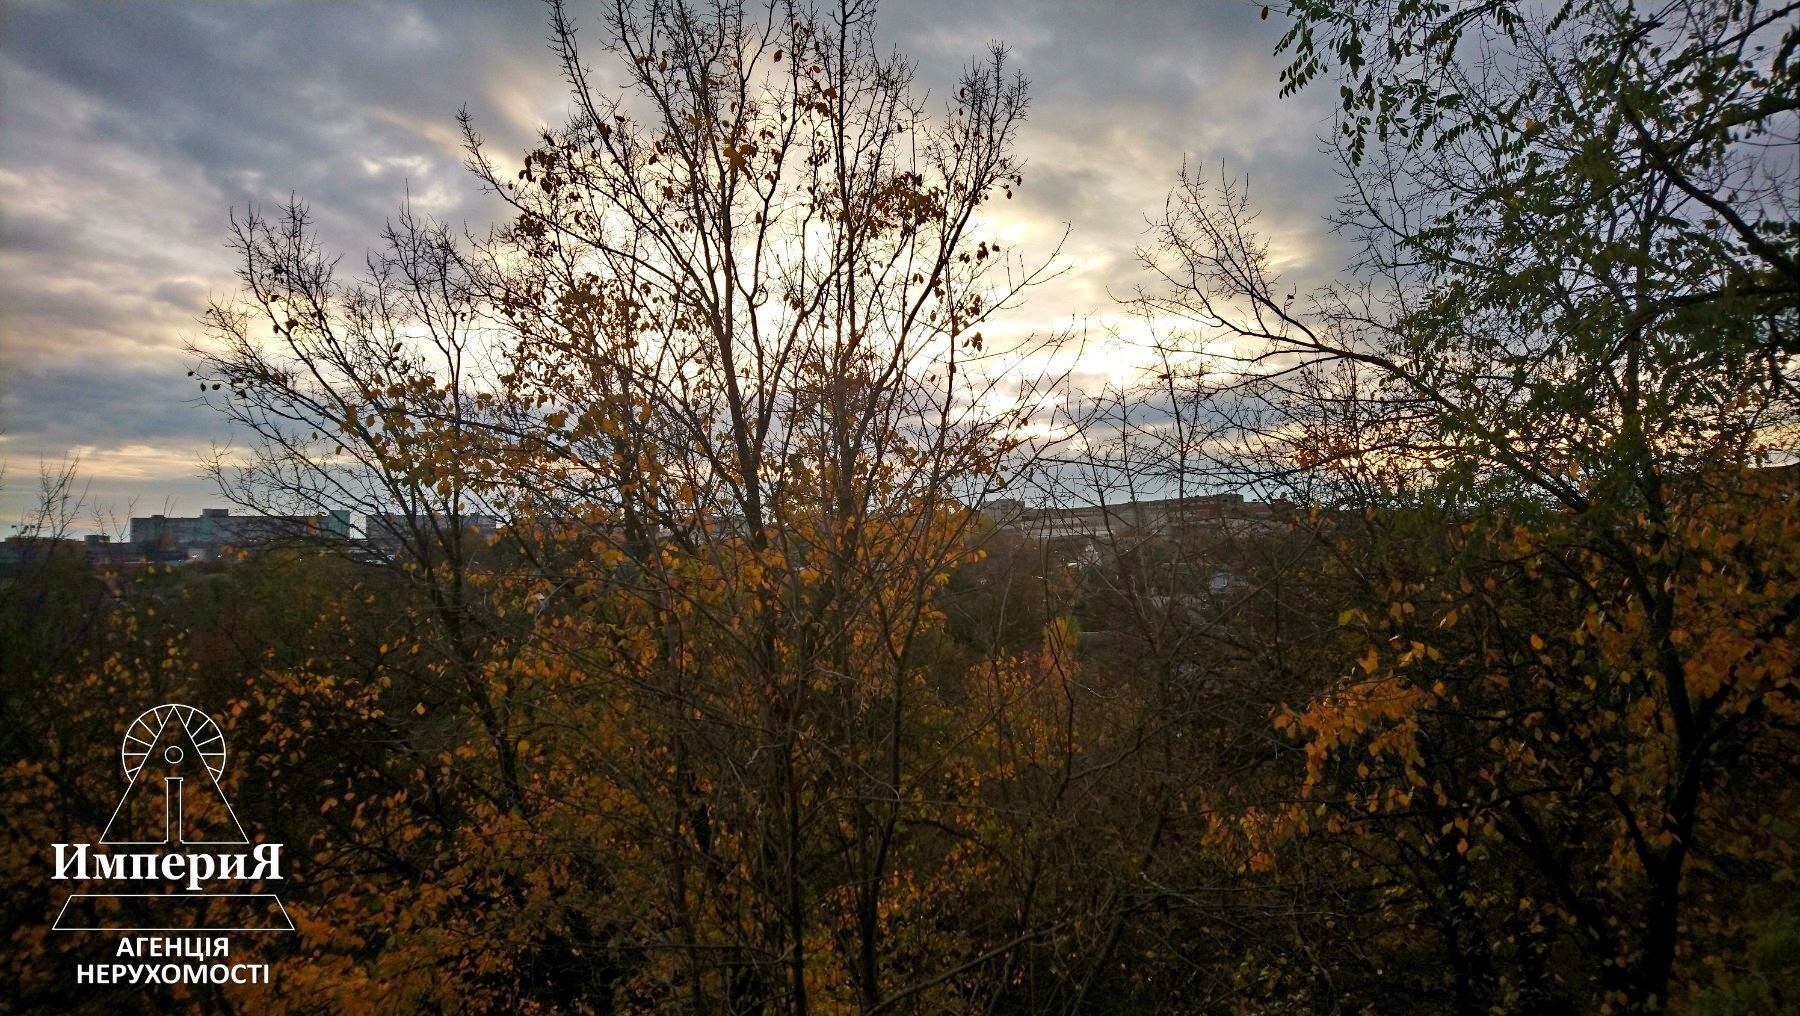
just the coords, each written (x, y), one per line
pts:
(204, 536)
(388, 533)
(1133, 519)
(98, 549)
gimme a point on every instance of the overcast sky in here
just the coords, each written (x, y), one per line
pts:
(130, 130)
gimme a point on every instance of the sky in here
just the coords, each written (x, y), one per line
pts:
(130, 131)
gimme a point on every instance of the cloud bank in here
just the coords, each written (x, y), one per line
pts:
(130, 130)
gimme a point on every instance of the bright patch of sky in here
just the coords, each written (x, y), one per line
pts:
(129, 131)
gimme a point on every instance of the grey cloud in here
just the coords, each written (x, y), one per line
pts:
(143, 404)
(128, 130)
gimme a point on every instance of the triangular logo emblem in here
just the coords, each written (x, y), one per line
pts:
(173, 757)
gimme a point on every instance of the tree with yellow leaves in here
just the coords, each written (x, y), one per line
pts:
(1550, 417)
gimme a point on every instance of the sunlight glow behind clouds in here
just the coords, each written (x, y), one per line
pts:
(128, 133)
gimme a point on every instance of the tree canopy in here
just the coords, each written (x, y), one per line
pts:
(767, 696)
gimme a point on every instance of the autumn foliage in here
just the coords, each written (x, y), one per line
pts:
(756, 704)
